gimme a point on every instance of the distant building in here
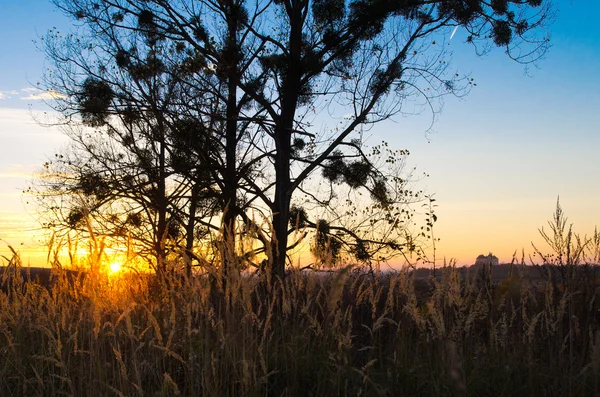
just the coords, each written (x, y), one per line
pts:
(486, 260)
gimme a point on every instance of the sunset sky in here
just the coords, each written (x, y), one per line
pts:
(497, 159)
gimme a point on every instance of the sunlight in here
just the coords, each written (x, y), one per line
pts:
(115, 267)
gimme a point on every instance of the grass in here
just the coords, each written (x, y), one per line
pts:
(347, 333)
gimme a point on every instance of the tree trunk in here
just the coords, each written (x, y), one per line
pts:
(283, 138)
(191, 224)
(161, 205)
(280, 218)
(230, 63)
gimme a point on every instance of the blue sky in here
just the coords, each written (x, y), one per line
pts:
(497, 159)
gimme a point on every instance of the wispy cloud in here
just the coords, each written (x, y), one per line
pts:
(41, 95)
(7, 94)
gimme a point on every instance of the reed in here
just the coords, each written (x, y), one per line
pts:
(345, 333)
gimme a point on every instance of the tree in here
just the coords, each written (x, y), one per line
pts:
(278, 63)
(368, 55)
(141, 167)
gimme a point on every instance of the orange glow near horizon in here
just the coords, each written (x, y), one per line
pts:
(465, 229)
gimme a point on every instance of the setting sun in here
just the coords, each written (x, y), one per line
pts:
(115, 267)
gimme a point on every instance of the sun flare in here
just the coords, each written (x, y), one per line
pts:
(115, 267)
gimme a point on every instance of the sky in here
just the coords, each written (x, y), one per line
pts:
(497, 159)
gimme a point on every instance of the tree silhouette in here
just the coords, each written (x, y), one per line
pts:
(143, 167)
(270, 69)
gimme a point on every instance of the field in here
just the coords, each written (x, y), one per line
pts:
(348, 333)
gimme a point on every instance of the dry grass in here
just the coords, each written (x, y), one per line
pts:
(343, 334)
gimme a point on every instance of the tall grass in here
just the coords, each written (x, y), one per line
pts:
(346, 333)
